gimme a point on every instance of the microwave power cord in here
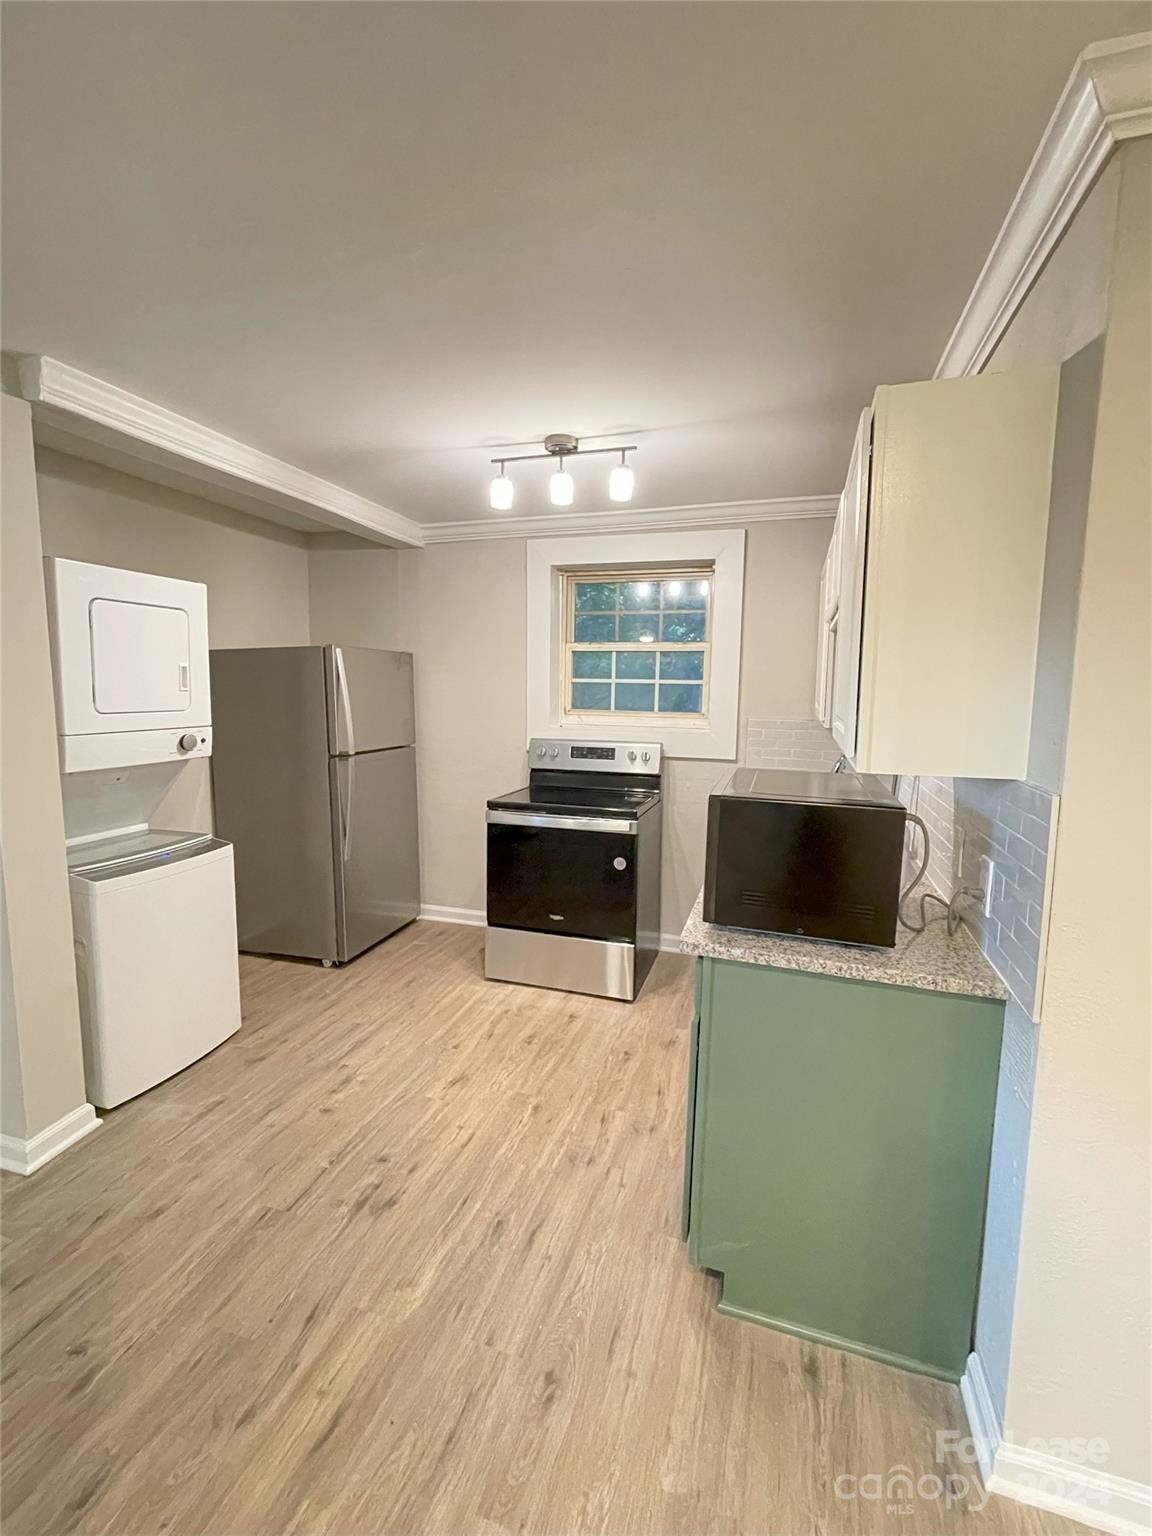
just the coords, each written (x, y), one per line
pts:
(951, 908)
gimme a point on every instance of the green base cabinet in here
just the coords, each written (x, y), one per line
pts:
(836, 1164)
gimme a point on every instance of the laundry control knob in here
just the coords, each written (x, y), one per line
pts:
(188, 741)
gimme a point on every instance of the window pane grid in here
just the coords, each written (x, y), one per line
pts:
(637, 644)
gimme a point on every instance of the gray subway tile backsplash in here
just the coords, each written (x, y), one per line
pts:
(1009, 822)
(796, 743)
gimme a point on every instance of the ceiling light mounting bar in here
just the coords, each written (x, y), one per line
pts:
(568, 453)
(561, 446)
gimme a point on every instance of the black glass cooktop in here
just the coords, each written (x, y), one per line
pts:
(567, 799)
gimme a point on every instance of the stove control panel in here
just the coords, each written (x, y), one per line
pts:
(597, 756)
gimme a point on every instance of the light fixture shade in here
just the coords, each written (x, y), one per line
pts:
(501, 494)
(561, 489)
(621, 483)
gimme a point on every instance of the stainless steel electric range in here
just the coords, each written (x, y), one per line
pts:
(574, 869)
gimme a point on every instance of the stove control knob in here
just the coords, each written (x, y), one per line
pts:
(188, 741)
(541, 751)
(644, 756)
(553, 751)
(631, 757)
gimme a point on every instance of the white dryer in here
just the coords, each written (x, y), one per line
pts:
(130, 657)
(154, 920)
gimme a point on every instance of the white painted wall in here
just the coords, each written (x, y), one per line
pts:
(43, 1070)
(353, 593)
(1082, 1344)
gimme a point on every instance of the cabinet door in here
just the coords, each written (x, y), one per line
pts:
(821, 694)
(852, 527)
(842, 1139)
(831, 651)
(690, 1118)
(958, 503)
(830, 589)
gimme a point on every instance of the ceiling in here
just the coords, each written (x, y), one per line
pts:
(381, 241)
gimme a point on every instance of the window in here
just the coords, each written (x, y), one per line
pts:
(637, 643)
(691, 664)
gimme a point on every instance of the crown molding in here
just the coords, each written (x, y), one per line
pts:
(76, 404)
(1108, 99)
(725, 514)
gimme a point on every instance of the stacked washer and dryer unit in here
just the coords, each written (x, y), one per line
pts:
(153, 911)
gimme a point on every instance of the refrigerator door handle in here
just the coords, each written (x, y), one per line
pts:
(348, 811)
(345, 701)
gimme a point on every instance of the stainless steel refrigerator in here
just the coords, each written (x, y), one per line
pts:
(314, 781)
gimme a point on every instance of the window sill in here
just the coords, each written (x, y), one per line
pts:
(682, 739)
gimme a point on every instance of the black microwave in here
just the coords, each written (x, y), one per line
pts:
(818, 855)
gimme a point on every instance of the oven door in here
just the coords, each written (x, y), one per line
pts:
(562, 874)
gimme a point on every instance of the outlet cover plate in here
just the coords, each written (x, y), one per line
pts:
(987, 875)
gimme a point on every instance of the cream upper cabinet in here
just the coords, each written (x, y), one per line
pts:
(940, 543)
(851, 530)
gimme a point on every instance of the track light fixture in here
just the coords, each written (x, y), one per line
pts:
(502, 492)
(621, 482)
(562, 487)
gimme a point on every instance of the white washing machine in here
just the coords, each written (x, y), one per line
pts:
(154, 919)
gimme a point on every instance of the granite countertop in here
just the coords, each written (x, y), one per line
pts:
(929, 960)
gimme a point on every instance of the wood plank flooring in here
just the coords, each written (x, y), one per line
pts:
(403, 1257)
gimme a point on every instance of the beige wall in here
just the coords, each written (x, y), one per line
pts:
(354, 593)
(461, 609)
(1081, 1351)
(41, 1055)
(257, 573)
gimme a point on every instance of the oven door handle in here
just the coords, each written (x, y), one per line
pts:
(563, 823)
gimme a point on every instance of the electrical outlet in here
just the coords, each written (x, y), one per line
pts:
(958, 858)
(987, 874)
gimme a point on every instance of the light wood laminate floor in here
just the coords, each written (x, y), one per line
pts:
(403, 1257)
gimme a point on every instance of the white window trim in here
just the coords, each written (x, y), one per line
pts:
(549, 559)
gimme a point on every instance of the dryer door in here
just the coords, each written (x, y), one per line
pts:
(141, 658)
(129, 651)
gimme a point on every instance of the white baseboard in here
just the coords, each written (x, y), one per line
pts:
(1095, 1498)
(20, 1156)
(471, 917)
(475, 917)
(983, 1419)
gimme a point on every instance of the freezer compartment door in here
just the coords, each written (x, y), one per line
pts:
(376, 838)
(370, 699)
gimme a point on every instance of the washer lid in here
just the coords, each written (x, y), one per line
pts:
(113, 854)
